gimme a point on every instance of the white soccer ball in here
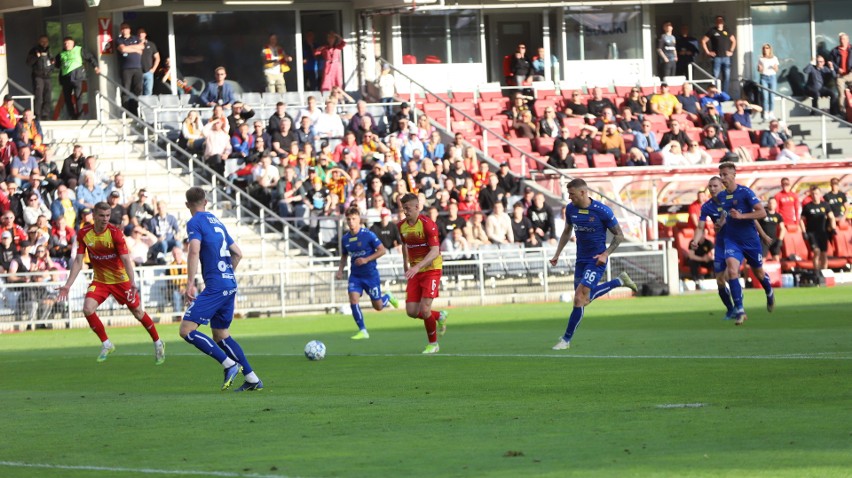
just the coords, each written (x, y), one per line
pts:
(315, 350)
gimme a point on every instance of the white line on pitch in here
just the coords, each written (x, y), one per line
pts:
(150, 471)
(813, 356)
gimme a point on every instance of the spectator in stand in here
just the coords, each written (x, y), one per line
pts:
(376, 206)
(218, 91)
(72, 73)
(350, 144)
(275, 64)
(612, 142)
(15, 195)
(8, 224)
(218, 116)
(306, 133)
(576, 108)
(510, 183)
(434, 149)
(387, 232)
(413, 147)
(525, 127)
(741, 119)
(329, 125)
(192, 132)
(8, 251)
(9, 117)
(687, 50)
(332, 55)
(498, 225)
(636, 157)
(424, 128)
(664, 103)
(139, 211)
(91, 165)
(540, 64)
(164, 227)
(139, 244)
(22, 166)
(606, 118)
(492, 195)
(673, 155)
(646, 140)
(259, 132)
(481, 177)
(712, 117)
(459, 174)
(519, 105)
(41, 62)
(667, 51)
(240, 113)
(582, 143)
(548, 126)
(773, 227)
(312, 111)
(455, 247)
(768, 66)
(774, 136)
(217, 148)
(33, 209)
(820, 77)
(118, 213)
(356, 123)
(542, 219)
(130, 48)
(387, 89)
(274, 122)
(468, 204)
(597, 104)
(452, 221)
(788, 153)
(715, 98)
(292, 196)
(819, 224)
(836, 200)
(63, 206)
(690, 103)
(404, 114)
(283, 138)
(61, 241)
(265, 179)
(522, 227)
(628, 123)
(28, 131)
(150, 61)
(71, 167)
(841, 58)
(695, 155)
(719, 44)
(8, 152)
(636, 102)
(310, 62)
(712, 139)
(89, 192)
(521, 67)
(788, 203)
(674, 134)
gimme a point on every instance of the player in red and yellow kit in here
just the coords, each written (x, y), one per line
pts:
(422, 255)
(113, 275)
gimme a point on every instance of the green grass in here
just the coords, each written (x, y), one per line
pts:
(496, 401)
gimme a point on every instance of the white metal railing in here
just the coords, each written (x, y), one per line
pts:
(9, 84)
(492, 275)
(708, 79)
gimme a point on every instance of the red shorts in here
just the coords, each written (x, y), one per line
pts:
(122, 292)
(423, 284)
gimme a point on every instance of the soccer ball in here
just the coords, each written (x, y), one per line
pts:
(315, 350)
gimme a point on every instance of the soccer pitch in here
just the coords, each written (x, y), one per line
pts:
(650, 387)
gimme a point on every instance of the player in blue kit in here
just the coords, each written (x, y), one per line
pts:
(212, 246)
(742, 241)
(712, 209)
(591, 219)
(364, 247)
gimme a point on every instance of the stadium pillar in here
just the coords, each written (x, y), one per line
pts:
(4, 69)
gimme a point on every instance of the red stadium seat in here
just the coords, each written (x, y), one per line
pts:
(409, 60)
(489, 109)
(490, 95)
(464, 127)
(463, 96)
(521, 143)
(622, 91)
(794, 246)
(541, 105)
(655, 158)
(604, 161)
(544, 145)
(581, 161)
(717, 154)
(467, 108)
(737, 138)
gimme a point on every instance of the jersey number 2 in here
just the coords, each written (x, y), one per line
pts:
(223, 251)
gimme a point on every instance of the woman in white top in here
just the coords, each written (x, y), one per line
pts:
(673, 155)
(767, 66)
(192, 131)
(695, 155)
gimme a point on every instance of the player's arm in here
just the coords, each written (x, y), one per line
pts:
(380, 251)
(699, 235)
(236, 255)
(832, 222)
(617, 239)
(404, 258)
(563, 241)
(342, 265)
(758, 212)
(192, 268)
(128, 266)
(76, 267)
(434, 252)
(760, 232)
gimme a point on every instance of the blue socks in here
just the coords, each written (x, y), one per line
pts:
(235, 353)
(573, 322)
(206, 345)
(602, 289)
(385, 301)
(358, 315)
(767, 285)
(725, 295)
(736, 292)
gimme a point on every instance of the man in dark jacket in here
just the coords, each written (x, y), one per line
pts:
(41, 62)
(820, 77)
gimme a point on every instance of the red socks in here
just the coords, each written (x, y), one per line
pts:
(97, 327)
(149, 326)
(431, 323)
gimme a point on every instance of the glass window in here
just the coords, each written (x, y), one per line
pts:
(830, 21)
(442, 37)
(603, 33)
(233, 40)
(782, 27)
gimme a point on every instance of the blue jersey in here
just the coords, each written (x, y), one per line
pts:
(714, 211)
(215, 255)
(741, 231)
(590, 226)
(364, 243)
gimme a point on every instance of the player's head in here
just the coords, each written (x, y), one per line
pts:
(578, 192)
(353, 218)
(835, 184)
(195, 198)
(816, 193)
(410, 206)
(772, 205)
(785, 184)
(102, 213)
(728, 174)
(715, 185)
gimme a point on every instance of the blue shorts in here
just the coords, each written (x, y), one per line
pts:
(372, 285)
(213, 306)
(753, 253)
(719, 256)
(588, 273)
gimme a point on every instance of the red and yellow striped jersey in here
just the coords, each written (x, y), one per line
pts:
(104, 251)
(418, 239)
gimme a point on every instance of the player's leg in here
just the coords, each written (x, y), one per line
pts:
(594, 273)
(123, 295)
(220, 325)
(379, 300)
(754, 258)
(733, 259)
(431, 285)
(721, 270)
(94, 297)
(358, 315)
(199, 313)
(430, 322)
(582, 291)
(413, 294)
